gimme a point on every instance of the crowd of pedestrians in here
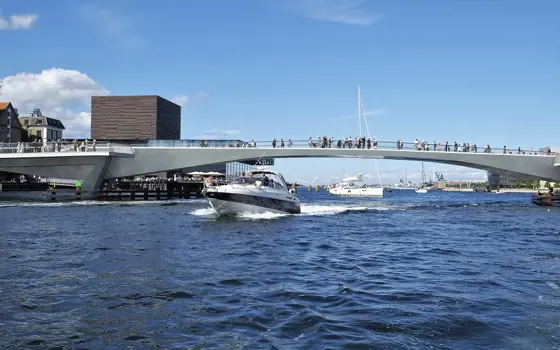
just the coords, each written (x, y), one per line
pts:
(49, 146)
(368, 143)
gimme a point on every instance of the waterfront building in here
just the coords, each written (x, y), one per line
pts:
(40, 127)
(10, 127)
(134, 117)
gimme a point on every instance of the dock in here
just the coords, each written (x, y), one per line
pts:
(124, 191)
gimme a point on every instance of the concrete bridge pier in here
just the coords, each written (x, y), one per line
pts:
(90, 167)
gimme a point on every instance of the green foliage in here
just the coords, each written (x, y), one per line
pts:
(547, 184)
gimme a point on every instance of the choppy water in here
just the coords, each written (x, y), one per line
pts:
(442, 271)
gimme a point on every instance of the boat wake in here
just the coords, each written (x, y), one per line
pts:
(306, 210)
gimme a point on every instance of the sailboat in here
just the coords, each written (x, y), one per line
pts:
(348, 185)
(422, 189)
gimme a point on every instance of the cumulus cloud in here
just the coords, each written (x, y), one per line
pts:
(351, 12)
(16, 22)
(59, 93)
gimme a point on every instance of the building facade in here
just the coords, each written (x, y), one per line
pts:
(41, 128)
(134, 117)
(10, 128)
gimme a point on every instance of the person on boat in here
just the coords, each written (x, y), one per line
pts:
(265, 180)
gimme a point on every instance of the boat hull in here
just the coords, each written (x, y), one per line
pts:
(234, 201)
(357, 192)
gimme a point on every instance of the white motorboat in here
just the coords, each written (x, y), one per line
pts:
(421, 190)
(259, 191)
(348, 188)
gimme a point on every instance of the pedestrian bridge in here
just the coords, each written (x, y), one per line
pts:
(107, 161)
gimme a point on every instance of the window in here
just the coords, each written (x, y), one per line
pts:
(26, 122)
(39, 133)
(39, 121)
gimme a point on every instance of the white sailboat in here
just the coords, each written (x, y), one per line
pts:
(422, 189)
(348, 185)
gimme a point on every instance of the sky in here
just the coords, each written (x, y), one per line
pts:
(478, 71)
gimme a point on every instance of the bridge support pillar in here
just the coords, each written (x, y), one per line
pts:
(92, 182)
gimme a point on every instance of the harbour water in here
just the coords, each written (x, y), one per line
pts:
(439, 271)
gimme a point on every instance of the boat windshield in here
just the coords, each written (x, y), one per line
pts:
(271, 180)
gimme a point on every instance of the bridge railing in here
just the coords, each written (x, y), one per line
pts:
(68, 146)
(63, 147)
(382, 145)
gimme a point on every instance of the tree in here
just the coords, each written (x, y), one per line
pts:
(557, 185)
(547, 184)
(517, 184)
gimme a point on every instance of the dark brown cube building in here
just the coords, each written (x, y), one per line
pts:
(134, 117)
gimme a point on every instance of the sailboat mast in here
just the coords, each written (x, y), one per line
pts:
(360, 110)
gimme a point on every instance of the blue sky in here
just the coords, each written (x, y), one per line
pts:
(472, 71)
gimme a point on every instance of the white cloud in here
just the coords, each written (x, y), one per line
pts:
(114, 26)
(200, 96)
(180, 100)
(17, 22)
(59, 93)
(351, 12)
(217, 134)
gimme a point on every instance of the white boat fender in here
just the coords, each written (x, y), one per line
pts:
(258, 184)
(292, 191)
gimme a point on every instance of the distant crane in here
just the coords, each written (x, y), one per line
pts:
(439, 176)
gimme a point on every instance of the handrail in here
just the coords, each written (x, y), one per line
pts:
(64, 147)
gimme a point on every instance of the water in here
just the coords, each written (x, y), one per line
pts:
(440, 270)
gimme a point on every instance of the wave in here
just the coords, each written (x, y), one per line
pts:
(306, 210)
(204, 212)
